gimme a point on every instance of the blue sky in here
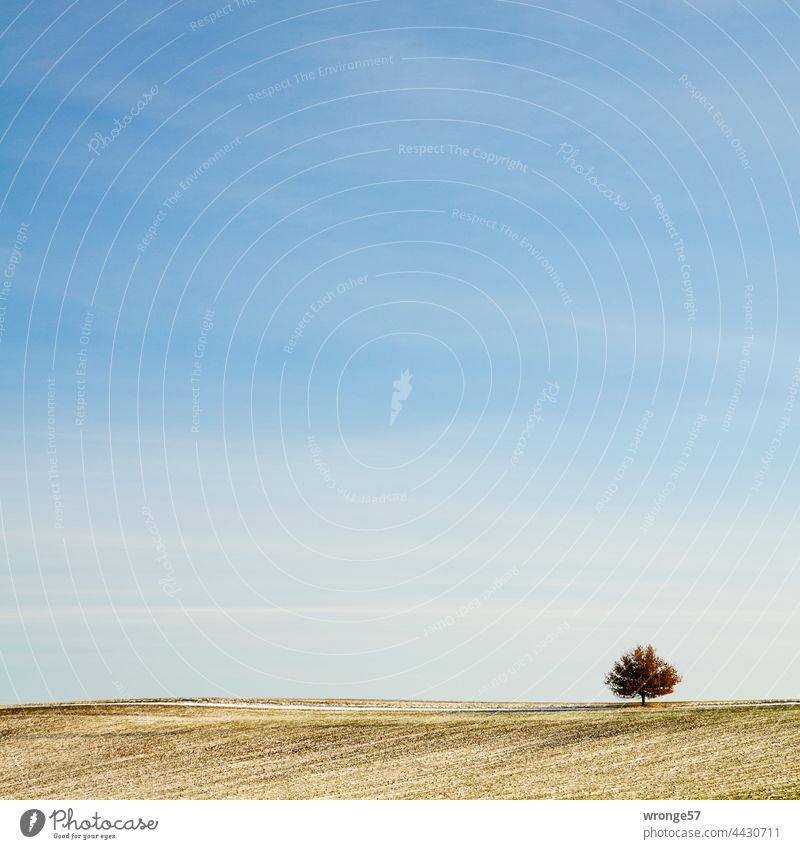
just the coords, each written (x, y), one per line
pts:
(225, 232)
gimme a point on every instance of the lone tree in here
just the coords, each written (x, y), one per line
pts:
(641, 672)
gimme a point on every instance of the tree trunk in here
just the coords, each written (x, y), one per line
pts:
(642, 695)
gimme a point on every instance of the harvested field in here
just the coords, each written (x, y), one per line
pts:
(189, 749)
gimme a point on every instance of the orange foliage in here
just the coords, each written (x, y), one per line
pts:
(641, 672)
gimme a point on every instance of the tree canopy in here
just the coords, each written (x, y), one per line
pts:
(641, 672)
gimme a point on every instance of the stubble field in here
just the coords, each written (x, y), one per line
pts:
(382, 750)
